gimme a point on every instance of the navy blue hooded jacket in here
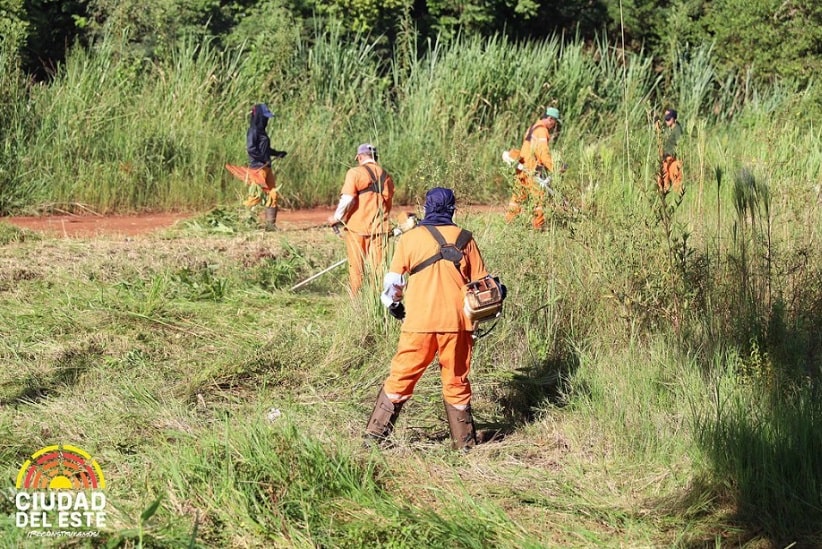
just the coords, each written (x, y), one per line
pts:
(257, 142)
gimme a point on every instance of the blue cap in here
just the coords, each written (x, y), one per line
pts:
(669, 114)
(264, 110)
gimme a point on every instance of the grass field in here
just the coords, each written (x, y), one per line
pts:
(655, 379)
(227, 410)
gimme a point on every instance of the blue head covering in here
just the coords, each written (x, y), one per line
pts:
(440, 205)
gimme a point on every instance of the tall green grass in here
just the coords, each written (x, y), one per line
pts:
(756, 435)
(116, 133)
(113, 131)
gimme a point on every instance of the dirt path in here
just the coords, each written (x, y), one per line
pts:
(80, 226)
(85, 226)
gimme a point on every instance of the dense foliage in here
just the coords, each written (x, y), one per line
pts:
(769, 37)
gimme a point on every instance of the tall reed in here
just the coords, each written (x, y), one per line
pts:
(115, 132)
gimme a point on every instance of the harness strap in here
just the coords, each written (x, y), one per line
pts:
(462, 241)
(530, 132)
(376, 185)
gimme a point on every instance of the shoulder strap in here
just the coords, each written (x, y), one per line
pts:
(530, 132)
(462, 240)
(376, 185)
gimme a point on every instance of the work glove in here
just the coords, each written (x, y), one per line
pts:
(397, 310)
(544, 181)
(279, 154)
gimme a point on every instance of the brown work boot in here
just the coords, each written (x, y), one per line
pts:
(381, 423)
(461, 422)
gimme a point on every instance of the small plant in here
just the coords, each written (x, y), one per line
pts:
(221, 221)
(202, 283)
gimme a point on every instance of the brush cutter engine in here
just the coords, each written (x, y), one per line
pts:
(483, 299)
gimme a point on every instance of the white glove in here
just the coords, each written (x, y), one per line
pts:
(544, 182)
(393, 285)
(507, 158)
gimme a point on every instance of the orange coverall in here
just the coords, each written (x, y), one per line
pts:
(534, 153)
(670, 175)
(263, 177)
(366, 219)
(434, 322)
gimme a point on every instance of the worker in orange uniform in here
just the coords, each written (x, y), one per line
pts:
(534, 167)
(363, 209)
(431, 265)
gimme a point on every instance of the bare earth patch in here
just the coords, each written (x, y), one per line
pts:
(85, 226)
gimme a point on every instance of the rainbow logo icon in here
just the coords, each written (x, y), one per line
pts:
(60, 467)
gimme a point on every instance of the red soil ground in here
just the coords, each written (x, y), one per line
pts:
(84, 226)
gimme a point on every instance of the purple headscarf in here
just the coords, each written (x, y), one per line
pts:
(439, 207)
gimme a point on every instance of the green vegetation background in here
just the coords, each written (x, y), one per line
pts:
(146, 107)
(655, 380)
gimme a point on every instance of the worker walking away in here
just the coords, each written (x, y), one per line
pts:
(670, 166)
(260, 154)
(363, 210)
(431, 266)
(534, 167)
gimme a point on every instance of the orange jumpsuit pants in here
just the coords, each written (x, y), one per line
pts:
(358, 248)
(525, 190)
(416, 350)
(269, 186)
(670, 175)
(263, 177)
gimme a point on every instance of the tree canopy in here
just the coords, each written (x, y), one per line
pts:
(768, 38)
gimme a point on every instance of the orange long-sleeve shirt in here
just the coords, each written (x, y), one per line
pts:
(535, 150)
(368, 213)
(434, 296)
